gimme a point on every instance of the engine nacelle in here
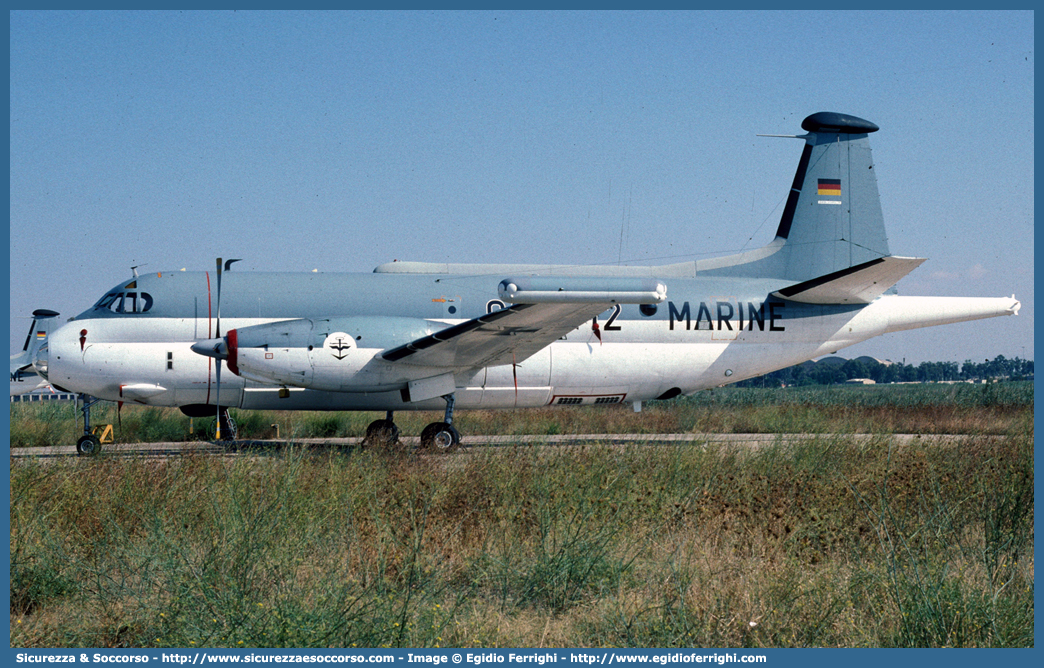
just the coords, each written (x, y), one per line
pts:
(332, 354)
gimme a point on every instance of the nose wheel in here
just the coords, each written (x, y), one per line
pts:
(88, 444)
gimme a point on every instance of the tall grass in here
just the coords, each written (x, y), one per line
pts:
(830, 542)
(997, 408)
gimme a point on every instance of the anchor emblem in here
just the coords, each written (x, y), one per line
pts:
(338, 344)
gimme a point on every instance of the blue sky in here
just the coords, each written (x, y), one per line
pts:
(338, 141)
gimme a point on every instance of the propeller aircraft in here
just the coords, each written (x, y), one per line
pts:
(435, 336)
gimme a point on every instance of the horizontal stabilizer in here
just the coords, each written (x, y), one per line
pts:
(860, 284)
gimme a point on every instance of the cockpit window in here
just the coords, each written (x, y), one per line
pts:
(125, 302)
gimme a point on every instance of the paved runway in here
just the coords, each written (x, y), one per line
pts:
(472, 441)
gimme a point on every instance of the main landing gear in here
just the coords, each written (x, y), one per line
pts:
(441, 436)
(382, 433)
(436, 437)
(229, 428)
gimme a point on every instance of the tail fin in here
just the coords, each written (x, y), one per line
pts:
(832, 219)
(43, 322)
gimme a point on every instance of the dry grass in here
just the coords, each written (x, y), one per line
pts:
(823, 543)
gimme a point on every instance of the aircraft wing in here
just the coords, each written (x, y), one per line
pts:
(543, 311)
(860, 284)
(501, 337)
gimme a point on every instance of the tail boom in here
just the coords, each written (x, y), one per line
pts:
(892, 313)
(915, 312)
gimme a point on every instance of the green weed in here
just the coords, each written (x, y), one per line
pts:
(827, 541)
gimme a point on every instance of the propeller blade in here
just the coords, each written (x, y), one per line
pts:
(218, 327)
(219, 348)
(217, 383)
(217, 399)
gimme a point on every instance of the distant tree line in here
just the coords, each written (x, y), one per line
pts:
(825, 373)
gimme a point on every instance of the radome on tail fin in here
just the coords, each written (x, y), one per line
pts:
(832, 219)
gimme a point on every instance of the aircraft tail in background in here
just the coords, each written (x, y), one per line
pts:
(24, 377)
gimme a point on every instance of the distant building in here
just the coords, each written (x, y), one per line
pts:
(833, 360)
(43, 396)
(866, 359)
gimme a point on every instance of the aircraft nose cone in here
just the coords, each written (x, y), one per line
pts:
(216, 348)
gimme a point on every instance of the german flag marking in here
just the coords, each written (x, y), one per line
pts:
(829, 187)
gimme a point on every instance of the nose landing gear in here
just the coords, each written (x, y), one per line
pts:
(88, 444)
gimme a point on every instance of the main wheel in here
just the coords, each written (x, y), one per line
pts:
(381, 433)
(232, 429)
(440, 437)
(88, 445)
(229, 428)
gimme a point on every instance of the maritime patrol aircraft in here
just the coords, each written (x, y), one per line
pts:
(423, 336)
